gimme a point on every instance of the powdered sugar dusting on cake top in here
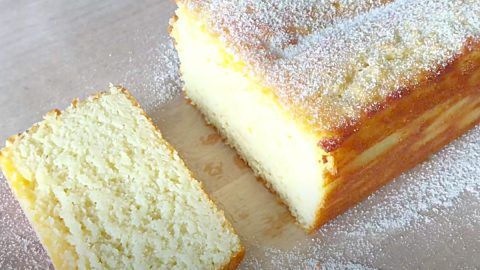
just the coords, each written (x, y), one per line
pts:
(330, 60)
(269, 27)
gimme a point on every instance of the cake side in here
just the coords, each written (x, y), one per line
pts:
(454, 82)
(331, 62)
(405, 132)
(118, 199)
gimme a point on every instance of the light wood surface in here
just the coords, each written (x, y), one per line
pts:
(54, 51)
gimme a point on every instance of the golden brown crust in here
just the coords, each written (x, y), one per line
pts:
(457, 85)
(464, 64)
(171, 22)
(353, 188)
(235, 260)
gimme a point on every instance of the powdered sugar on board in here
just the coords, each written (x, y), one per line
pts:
(19, 246)
(158, 76)
(418, 210)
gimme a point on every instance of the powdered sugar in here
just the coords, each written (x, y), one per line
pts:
(19, 246)
(328, 61)
(159, 76)
(166, 77)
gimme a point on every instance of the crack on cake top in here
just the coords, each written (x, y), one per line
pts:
(328, 61)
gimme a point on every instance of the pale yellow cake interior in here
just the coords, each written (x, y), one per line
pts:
(103, 190)
(274, 144)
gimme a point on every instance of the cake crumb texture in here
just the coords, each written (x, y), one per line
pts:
(103, 190)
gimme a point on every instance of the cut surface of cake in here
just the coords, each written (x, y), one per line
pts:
(104, 190)
(329, 100)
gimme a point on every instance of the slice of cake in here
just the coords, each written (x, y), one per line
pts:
(104, 190)
(329, 100)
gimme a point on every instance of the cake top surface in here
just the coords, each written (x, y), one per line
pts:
(330, 61)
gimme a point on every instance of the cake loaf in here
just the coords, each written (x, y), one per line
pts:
(329, 100)
(104, 190)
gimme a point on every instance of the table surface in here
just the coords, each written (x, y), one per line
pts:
(54, 51)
